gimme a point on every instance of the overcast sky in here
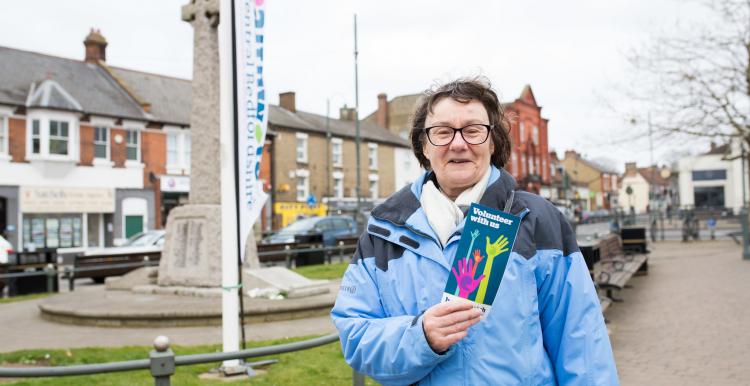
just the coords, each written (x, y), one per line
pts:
(571, 53)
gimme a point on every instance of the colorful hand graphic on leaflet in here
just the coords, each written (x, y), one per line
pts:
(465, 278)
(499, 246)
(493, 249)
(477, 258)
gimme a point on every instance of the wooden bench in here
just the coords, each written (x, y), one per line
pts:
(616, 266)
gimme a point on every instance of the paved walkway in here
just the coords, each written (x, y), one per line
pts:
(687, 322)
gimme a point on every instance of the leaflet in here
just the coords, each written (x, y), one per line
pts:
(483, 252)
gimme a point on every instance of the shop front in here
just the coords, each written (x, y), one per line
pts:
(65, 217)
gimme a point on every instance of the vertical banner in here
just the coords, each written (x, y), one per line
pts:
(252, 112)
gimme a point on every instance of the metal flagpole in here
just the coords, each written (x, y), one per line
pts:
(358, 215)
(229, 239)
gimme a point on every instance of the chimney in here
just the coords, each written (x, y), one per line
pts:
(287, 101)
(347, 113)
(96, 47)
(381, 116)
(571, 154)
(630, 166)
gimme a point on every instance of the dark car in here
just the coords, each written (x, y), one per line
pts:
(331, 227)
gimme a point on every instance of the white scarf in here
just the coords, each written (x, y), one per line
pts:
(442, 213)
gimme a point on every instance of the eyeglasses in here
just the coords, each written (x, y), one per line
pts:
(474, 134)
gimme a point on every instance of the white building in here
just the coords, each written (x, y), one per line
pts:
(649, 188)
(407, 167)
(713, 179)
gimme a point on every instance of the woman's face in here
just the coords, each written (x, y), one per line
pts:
(458, 165)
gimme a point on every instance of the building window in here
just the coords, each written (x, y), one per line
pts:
(36, 137)
(338, 186)
(178, 150)
(132, 145)
(302, 188)
(536, 135)
(3, 135)
(52, 135)
(101, 142)
(52, 231)
(373, 189)
(514, 163)
(523, 164)
(708, 175)
(188, 149)
(522, 131)
(173, 149)
(337, 158)
(372, 155)
(58, 137)
(301, 147)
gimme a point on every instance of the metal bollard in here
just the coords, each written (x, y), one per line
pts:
(745, 233)
(288, 257)
(70, 275)
(162, 361)
(358, 379)
(51, 276)
(341, 251)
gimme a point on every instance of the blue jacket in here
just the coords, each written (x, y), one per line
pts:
(545, 327)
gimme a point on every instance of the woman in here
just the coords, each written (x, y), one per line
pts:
(545, 326)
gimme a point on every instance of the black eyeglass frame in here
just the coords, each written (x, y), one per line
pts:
(488, 127)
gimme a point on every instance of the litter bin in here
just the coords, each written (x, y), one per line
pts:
(308, 241)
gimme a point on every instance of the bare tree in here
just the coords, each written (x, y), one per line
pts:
(696, 82)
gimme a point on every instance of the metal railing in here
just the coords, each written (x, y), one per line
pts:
(69, 272)
(162, 362)
(329, 251)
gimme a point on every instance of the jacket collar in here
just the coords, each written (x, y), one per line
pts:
(402, 208)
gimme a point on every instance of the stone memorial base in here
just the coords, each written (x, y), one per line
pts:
(192, 247)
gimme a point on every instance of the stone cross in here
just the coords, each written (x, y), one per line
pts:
(203, 15)
(192, 247)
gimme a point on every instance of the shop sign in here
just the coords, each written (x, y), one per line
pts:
(175, 184)
(292, 211)
(66, 200)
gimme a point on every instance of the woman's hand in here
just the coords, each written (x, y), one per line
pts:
(448, 322)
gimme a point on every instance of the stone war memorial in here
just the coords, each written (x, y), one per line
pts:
(185, 289)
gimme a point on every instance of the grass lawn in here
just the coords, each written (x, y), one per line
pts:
(23, 297)
(323, 271)
(319, 366)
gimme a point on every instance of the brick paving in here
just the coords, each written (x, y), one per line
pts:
(688, 321)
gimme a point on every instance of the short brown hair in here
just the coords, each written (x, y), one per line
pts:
(464, 90)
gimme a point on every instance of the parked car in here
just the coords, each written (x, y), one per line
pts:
(5, 250)
(331, 227)
(136, 249)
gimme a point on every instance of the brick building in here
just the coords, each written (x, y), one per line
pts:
(315, 161)
(594, 186)
(82, 152)
(529, 161)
